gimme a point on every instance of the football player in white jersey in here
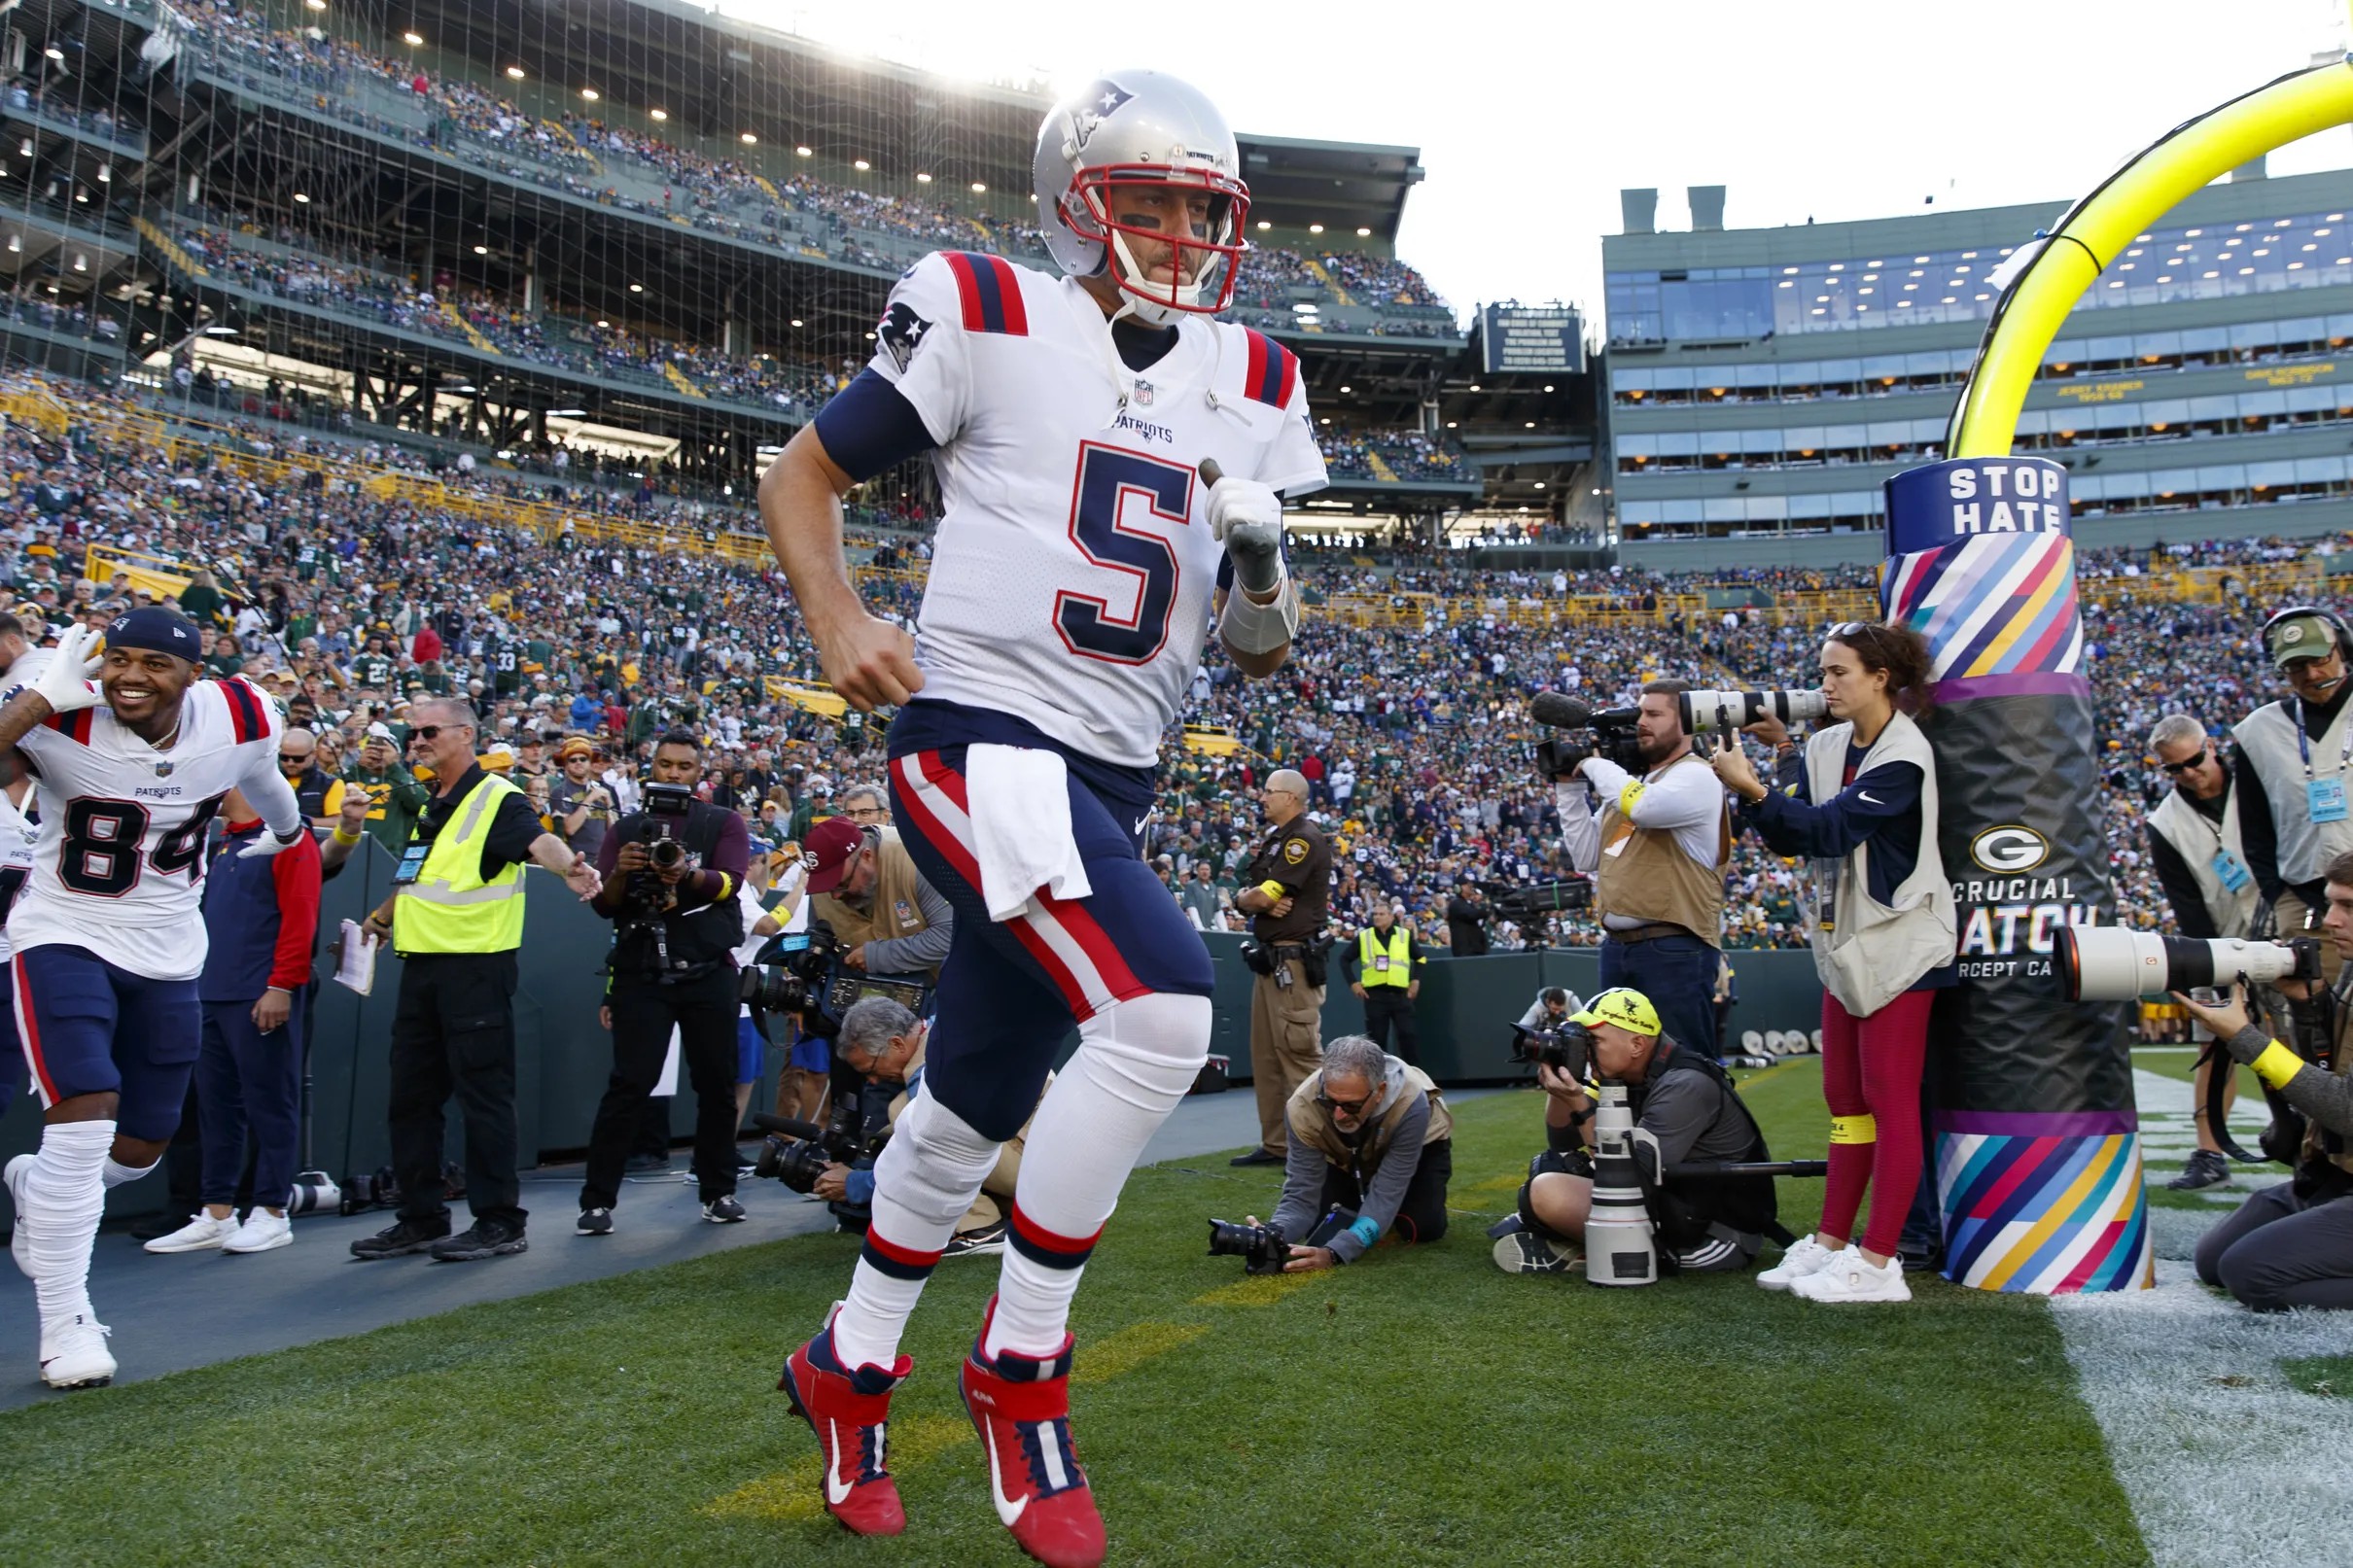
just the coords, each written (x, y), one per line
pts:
(130, 771)
(1113, 462)
(20, 661)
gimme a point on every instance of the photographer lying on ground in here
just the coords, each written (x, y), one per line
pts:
(2292, 1246)
(1682, 1098)
(1369, 1133)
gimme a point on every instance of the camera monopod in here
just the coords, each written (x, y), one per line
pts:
(1751, 1167)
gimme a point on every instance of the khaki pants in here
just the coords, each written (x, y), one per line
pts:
(1286, 1046)
(996, 1196)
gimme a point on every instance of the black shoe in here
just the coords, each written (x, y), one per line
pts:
(2205, 1169)
(483, 1238)
(724, 1210)
(401, 1236)
(987, 1239)
(1256, 1157)
(639, 1164)
(594, 1222)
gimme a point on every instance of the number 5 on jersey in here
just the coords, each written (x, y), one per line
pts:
(1107, 477)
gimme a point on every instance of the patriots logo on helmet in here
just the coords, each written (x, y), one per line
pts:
(1098, 103)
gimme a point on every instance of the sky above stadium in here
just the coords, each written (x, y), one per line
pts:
(1530, 119)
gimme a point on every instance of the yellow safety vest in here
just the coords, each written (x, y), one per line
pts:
(449, 908)
(1375, 967)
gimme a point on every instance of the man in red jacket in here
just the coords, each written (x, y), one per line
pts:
(262, 917)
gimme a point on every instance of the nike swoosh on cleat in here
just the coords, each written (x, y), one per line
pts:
(1008, 1509)
(835, 1493)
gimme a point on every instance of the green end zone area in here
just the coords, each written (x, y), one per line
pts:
(1419, 1407)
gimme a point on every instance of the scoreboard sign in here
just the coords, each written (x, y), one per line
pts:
(1531, 341)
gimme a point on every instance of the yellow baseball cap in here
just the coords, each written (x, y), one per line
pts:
(1623, 1006)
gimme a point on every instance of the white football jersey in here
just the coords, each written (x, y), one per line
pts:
(16, 832)
(120, 846)
(1072, 574)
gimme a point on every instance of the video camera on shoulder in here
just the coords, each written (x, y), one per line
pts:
(801, 972)
(1523, 903)
(1607, 733)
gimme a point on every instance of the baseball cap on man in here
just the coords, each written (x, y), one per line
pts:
(825, 852)
(1623, 1006)
(156, 630)
(2299, 637)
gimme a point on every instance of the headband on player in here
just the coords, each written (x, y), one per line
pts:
(156, 630)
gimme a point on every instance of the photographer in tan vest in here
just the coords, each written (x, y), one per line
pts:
(1368, 1133)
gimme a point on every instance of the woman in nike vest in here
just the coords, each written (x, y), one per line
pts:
(1860, 802)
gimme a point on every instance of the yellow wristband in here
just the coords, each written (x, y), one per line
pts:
(347, 840)
(1273, 889)
(2277, 1065)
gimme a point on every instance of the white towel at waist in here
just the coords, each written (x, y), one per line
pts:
(1020, 804)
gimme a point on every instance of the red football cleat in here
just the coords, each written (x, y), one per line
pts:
(1021, 1406)
(849, 1411)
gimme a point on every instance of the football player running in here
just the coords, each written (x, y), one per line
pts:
(130, 771)
(1112, 463)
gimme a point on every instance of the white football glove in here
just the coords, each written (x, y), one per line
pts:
(65, 683)
(267, 843)
(1247, 518)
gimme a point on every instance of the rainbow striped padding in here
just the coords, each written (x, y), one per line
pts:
(2042, 1202)
(1998, 604)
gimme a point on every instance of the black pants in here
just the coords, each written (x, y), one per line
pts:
(703, 1011)
(454, 1033)
(2279, 1251)
(1385, 1004)
(1422, 1215)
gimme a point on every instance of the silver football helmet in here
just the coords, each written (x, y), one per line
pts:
(1143, 128)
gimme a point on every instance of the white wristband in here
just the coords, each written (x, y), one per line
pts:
(1251, 627)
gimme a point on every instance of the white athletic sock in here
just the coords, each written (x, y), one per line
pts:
(1136, 1061)
(927, 1177)
(64, 1195)
(117, 1172)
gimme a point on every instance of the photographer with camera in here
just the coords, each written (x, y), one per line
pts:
(671, 875)
(864, 885)
(1385, 966)
(883, 1043)
(1658, 846)
(1679, 1100)
(1371, 1149)
(1861, 803)
(2201, 862)
(1547, 1013)
(2292, 1245)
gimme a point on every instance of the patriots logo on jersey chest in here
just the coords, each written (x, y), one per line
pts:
(902, 332)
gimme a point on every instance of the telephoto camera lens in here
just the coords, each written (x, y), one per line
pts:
(1730, 711)
(2107, 963)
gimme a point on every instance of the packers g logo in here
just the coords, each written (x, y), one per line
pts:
(2008, 848)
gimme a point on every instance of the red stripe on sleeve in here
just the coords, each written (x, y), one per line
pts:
(295, 870)
(967, 289)
(1254, 377)
(1008, 294)
(1290, 376)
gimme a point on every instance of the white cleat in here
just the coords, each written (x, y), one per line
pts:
(1807, 1257)
(262, 1231)
(1849, 1277)
(201, 1233)
(74, 1354)
(21, 1240)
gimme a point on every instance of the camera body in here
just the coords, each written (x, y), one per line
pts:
(1524, 903)
(1608, 734)
(1566, 1048)
(666, 809)
(1260, 1247)
(2107, 963)
(797, 1153)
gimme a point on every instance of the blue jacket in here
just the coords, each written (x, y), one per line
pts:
(261, 918)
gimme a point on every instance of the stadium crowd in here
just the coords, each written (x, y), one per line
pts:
(1410, 725)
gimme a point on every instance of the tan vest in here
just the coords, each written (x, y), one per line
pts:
(2268, 737)
(1870, 953)
(2316, 1141)
(2198, 838)
(1311, 1125)
(1651, 879)
(897, 909)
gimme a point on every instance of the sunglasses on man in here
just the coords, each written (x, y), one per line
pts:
(427, 732)
(1345, 1107)
(2177, 769)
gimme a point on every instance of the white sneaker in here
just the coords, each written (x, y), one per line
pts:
(261, 1232)
(1807, 1257)
(21, 1240)
(201, 1233)
(1849, 1277)
(74, 1354)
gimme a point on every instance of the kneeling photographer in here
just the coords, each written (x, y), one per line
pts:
(1674, 1100)
(671, 874)
(2292, 1245)
(883, 1042)
(1860, 802)
(1371, 1149)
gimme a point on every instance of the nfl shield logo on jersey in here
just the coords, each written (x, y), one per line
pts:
(163, 769)
(1144, 392)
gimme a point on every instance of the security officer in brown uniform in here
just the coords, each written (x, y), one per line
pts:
(1284, 892)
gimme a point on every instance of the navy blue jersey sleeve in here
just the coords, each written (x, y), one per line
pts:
(1888, 794)
(869, 428)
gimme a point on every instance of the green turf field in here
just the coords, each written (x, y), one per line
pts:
(1419, 1407)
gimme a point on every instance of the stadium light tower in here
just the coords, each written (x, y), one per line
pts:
(2038, 1154)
